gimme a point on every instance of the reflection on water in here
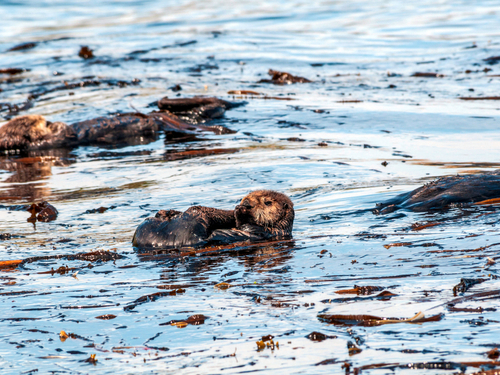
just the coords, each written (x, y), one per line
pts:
(27, 174)
(366, 129)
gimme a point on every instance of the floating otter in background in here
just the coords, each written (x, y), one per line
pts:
(261, 215)
(33, 132)
(446, 192)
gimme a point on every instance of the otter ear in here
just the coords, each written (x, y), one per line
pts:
(285, 206)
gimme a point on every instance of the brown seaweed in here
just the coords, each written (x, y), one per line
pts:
(188, 154)
(493, 354)
(106, 317)
(466, 284)
(187, 104)
(93, 256)
(480, 98)
(46, 212)
(86, 53)
(9, 264)
(13, 71)
(371, 320)
(492, 294)
(427, 75)
(318, 336)
(194, 320)
(23, 46)
(283, 78)
(382, 296)
(151, 298)
(492, 60)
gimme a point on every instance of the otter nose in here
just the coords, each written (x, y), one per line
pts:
(245, 203)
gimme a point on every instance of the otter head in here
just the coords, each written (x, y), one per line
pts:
(30, 127)
(35, 126)
(268, 209)
(33, 132)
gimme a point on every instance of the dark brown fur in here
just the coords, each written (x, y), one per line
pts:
(186, 115)
(262, 214)
(266, 209)
(34, 132)
(446, 192)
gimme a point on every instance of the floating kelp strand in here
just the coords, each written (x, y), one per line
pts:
(371, 320)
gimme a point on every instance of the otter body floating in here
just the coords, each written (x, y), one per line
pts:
(446, 192)
(186, 115)
(261, 215)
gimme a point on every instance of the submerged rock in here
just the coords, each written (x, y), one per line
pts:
(446, 192)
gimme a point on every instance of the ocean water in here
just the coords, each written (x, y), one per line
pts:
(366, 104)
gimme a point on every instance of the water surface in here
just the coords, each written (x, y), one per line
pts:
(364, 104)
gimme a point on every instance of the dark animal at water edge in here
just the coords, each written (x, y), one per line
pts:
(34, 132)
(261, 215)
(447, 192)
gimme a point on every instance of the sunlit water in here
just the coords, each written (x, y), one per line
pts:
(356, 51)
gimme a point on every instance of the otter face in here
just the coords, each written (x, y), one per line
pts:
(265, 208)
(33, 126)
(34, 132)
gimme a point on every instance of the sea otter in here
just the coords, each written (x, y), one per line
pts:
(261, 215)
(34, 132)
(446, 192)
(185, 115)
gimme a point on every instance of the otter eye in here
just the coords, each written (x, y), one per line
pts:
(268, 203)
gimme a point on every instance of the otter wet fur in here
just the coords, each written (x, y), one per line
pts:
(34, 132)
(446, 192)
(261, 215)
(180, 115)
